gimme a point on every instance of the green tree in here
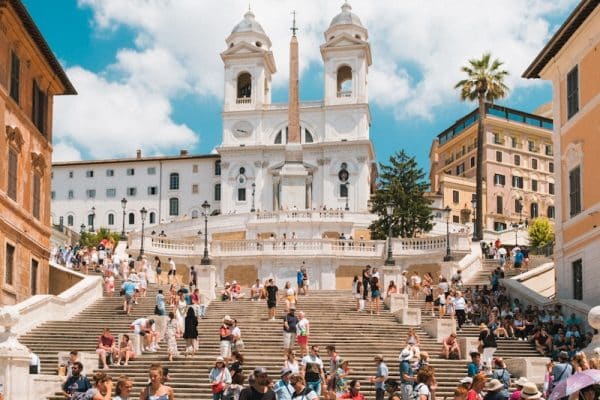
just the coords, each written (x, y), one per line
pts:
(484, 83)
(541, 233)
(401, 184)
(93, 239)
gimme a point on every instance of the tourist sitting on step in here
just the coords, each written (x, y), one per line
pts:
(226, 292)
(413, 342)
(236, 291)
(256, 290)
(353, 391)
(76, 383)
(106, 347)
(450, 348)
(125, 351)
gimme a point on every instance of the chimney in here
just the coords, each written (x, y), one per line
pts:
(138, 153)
(183, 152)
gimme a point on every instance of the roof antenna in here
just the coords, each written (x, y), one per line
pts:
(294, 28)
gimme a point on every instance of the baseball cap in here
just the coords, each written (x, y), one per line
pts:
(285, 371)
(260, 370)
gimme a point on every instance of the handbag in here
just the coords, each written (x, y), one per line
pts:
(218, 387)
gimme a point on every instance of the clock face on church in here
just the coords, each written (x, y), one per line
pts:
(242, 129)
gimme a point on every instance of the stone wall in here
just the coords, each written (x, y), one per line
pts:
(62, 279)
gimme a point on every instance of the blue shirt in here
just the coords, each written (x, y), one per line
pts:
(77, 384)
(472, 369)
(405, 369)
(283, 390)
(129, 288)
(382, 371)
(519, 257)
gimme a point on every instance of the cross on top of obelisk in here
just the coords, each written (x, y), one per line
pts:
(294, 28)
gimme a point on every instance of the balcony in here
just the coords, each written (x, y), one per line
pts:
(296, 215)
(243, 100)
(344, 93)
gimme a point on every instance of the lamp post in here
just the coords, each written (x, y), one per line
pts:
(474, 204)
(205, 260)
(81, 232)
(123, 206)
(347, 208)
(253, 209)
(61, 221)
(389, 209)
(448, 256)
(143, 213)
(516, 225)
(93, 215)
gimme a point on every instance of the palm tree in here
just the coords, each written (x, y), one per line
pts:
(484, 83)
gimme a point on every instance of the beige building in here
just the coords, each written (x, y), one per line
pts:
(518, 167)
(30, 76)
(571, 60)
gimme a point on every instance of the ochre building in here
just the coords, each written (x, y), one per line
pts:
(571, 60)
(30, 76)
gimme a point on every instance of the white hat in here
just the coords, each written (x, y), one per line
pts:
(234, 282)
(530, 391)
(521, 381)
(493, 385)
(466, 379)
(405, 355)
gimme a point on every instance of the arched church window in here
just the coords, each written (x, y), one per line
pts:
(344, 81)
(279, 136)
(111, 219)
(244, 85)
(69, 220)
(308, 137)
(131, 218)
(152, 218)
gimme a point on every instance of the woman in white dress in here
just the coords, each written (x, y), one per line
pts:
(150, 273)
(180, 310)
(173, 333)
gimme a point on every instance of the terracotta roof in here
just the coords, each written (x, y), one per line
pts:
(561, 37)
(40, 42)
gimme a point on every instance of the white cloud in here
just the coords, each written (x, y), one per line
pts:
(418, 48)
(64, 151)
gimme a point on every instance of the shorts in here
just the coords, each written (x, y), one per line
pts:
(225, 348)
(375, 294)
(517, 265)
(172, 272)
(305, 283)
(158, 271)
(288, 339)
(271, 304)
(429, 298)
(302, 340)
(300, 284)
(129, 299)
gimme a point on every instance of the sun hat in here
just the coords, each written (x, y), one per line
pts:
(530, 391)
(482, 326)
(226, 318)
(405, 355)
(493, 385)
(378, 357)
(219, 359)
(466, 379)
(521, 381)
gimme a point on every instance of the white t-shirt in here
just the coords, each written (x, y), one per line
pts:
(423, 390)
(459, 303)
(302, 326)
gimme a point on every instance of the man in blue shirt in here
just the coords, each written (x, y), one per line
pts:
(380, 377)
(129, 289)
(283, 389)
(77, 383)
(407, 375)
(475, 364)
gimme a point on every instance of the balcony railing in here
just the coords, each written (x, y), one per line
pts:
(296, 215)
(344, 93)
(243, 100)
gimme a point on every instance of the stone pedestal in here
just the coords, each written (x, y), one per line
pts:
(409, 316)
(206, 280)
(467, 345)
(594, 321)
(396, 302)
(532, 368)
(43, 386)
(439, 328)
(14, 357)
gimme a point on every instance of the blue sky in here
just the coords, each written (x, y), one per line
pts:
(151, 68)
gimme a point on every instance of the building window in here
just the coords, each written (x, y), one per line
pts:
(550, 167)
(499, 205)
(195, 168)
(518, 205)
(152, 190)
(551, 212)
(12, 174)
(497, 138)
(241, 194)
(533, 210)
(472, 162)
(111, 192)
(517, 182)
(499, 180)
(534, 185)
(534, 163)
(39, 108)
(218, 167)
(89, 173)
(549, 150)
(111, 219)
(573, 92)
(344, 81)
(152, 218)
(460, 169)
(36, 196)
(517, 159)
(578, 279)
(244, 86)
(90, 193)
(70, 220)
(551, 188)
(499, 156)
(174, 181)
(151, 171)
(194, 214)
(131, 191)
(499, 226)
(15, 76)
(575, 191)
(173, 206)
(513, 142)
(34, 276)
(90, 218)
(70, 195)
(130, 171)
(52, 195)
(344, 190)
(218, 192)
(110, 172)
(9, 264)
(131, 218)
(455, 219)
(455, 196)
(195, 188)
(70, 174)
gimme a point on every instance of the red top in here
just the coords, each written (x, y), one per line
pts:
(106, 341)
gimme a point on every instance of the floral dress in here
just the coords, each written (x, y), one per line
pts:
(172, 329)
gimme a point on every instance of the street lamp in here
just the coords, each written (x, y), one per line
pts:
(253, 193)
(389, 208)
(448, 256)
(474, 204)
(143, 213)
(205, 260)
(81, 232)
(93, 215)
(347, 208)
(516, 225)
(123, 206)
